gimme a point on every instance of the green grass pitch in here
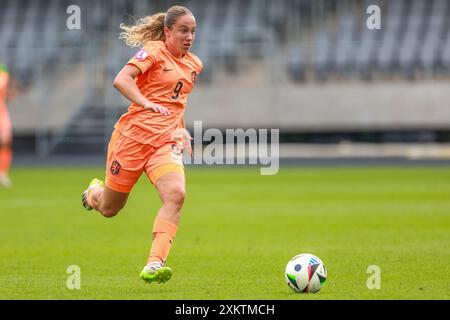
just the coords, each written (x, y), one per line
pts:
(237, 233)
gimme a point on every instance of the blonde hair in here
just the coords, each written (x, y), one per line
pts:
(151, 28)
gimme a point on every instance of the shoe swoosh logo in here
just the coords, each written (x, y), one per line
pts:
(167, 69)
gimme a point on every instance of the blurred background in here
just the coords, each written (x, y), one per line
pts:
(311, 68)
(347, 100)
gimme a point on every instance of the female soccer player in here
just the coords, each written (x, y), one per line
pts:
(150, 136)
(5, 129)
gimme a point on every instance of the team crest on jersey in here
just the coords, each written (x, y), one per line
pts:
(115, 167)
(194, 77)
(141, 55)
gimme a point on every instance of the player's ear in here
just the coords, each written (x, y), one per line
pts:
(166, 32)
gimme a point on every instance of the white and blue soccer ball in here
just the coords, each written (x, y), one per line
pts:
(305, 273)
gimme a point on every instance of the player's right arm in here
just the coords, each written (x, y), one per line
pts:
(125, 83)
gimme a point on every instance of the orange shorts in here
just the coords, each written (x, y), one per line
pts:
(127, 159)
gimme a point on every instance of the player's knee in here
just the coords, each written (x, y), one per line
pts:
(4, 143)
(5, 140)
(175, 195)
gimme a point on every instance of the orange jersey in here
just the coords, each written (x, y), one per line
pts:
(4, 81)
(165, 80)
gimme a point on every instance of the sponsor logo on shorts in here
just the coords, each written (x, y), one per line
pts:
(115, 167)
(177, 153)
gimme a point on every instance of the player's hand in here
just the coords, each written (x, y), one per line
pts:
(156, 108)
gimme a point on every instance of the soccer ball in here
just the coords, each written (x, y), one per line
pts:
(305, 273)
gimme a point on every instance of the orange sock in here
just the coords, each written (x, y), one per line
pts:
(5, 159)
(163, 234)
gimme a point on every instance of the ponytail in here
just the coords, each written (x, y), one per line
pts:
(151, 28)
